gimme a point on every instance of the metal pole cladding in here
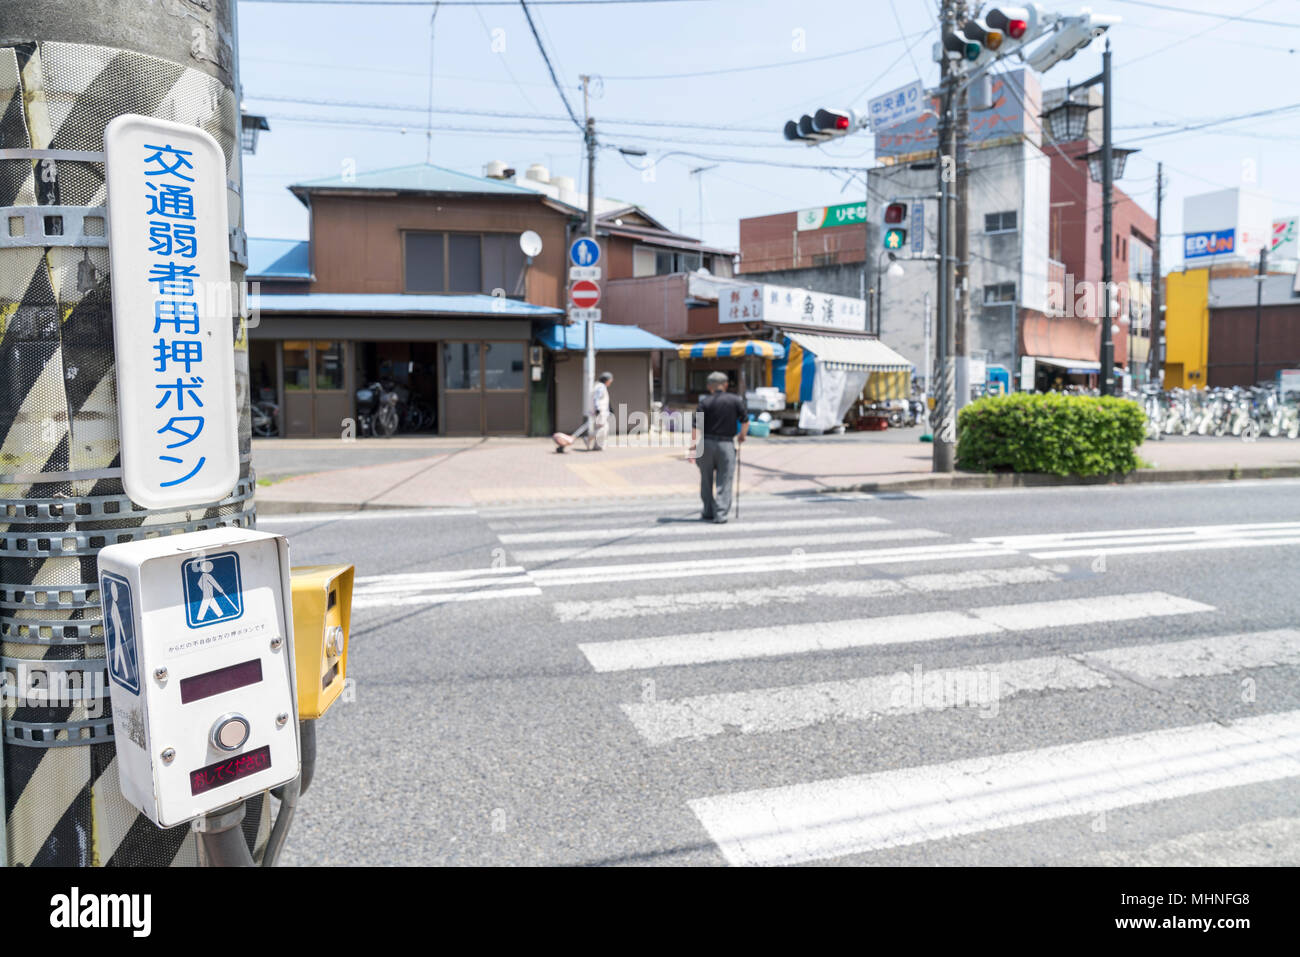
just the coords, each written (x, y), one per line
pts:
(1107, 226)
(63, 77)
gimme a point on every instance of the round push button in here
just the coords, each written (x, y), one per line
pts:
(230, 732)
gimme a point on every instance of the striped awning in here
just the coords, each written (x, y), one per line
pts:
(851, 352)
(725, 348)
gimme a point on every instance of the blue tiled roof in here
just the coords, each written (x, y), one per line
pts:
(420, 178)
(610, 337)
(279, 258)
(398, 304)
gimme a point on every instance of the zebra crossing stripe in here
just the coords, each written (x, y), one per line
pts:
(788, 561)
(1196, 546)
(870, 812)
(705, 647)
(678, 529)
(438, 598)
(980, 688)
(803, 540)
(528, 515)
(1129, 535)
(655, 603)
(426, 588)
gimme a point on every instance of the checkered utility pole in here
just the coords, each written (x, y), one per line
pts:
(66, 70)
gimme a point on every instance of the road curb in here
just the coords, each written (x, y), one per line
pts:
(279, 507)
(1005, 480)
(956, 480)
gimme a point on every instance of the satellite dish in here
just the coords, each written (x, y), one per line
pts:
(530, 243)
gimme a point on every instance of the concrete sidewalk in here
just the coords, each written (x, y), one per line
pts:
(441, 472)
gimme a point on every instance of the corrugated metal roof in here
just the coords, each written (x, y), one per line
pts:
(1240, 291)
(398, 304)
(420, 178)
(610, 337)
(851, 352)
(279, 258)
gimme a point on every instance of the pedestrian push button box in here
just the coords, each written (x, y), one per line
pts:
(322, 616)
(198, 636)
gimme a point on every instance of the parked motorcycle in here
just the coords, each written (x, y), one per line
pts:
(377, 412)
(266, 417)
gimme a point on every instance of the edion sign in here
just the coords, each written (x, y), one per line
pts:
(1215, 243)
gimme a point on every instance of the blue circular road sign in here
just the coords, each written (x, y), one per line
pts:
(584, 252)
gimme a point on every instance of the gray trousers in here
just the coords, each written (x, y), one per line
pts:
(717, 458)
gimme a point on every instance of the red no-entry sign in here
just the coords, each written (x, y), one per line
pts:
(585, 294)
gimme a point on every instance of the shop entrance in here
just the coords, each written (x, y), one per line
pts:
(315, 393)
(485, 388)
(409, 368)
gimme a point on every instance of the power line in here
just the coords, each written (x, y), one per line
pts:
(763, 66)
(1219, 122)
(428, 130)
(1230, 17)
(554, 79)
(465, 3)
(1148, 54)
(464, 111)
(509, 72)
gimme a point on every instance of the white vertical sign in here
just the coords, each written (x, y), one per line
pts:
(173, 329)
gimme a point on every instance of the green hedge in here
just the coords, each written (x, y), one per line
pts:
(1056, 434)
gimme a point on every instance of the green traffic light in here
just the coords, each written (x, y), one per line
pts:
(973, 50)
(894, 238)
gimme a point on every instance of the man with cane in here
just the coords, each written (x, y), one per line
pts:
(724, 421)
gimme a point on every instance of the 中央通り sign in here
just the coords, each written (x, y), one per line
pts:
(173, 325)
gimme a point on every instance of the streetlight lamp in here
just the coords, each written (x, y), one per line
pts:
(1068, 122)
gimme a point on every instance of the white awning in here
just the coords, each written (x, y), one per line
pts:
(851, 352)
(1076, 366)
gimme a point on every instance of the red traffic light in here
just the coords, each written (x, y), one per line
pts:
(895, 213)
(1013, 21)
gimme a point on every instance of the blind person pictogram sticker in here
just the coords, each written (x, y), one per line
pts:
(119, 632)
(213, 592)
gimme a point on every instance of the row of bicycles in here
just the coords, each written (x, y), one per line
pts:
(1246, 413)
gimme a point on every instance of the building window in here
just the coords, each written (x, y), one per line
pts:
(463, 262)
(644, 262)
(669, 261)
(329, 366)
(1000, 294)
(503, 365)
(460, 365)
(1000, 222)
(425, 267)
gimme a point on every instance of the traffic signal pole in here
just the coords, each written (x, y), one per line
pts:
(961, 242)
(589, 359)
(1155, 357)
(1107, 227)
(945, 427)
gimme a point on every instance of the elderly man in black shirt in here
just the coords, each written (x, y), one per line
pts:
(725, 422)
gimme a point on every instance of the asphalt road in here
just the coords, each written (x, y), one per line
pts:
(900, 679)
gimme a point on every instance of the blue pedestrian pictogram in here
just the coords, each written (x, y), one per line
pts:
(584, 252)
(119, 632)
(213, 591)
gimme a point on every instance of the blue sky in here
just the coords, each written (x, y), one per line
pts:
(750, 65)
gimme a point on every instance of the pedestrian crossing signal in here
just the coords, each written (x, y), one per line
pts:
(895, 238)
